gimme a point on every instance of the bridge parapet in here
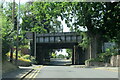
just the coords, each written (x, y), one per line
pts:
(66, 37)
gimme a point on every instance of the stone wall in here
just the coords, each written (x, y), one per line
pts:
(93, 63)
(115, 61)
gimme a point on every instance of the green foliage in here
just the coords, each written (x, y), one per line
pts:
(8, 32)
(53, 55)
(25, 60)
(118, 39)
(104, 57)
(14, 54)
(8, 28)
(85, 40)
(24, 46)
(94, 60)
(41, 17)
(108, 53)
(98, 18)
(69, 51)
(61, 56)
(26, 56)
(29, 58)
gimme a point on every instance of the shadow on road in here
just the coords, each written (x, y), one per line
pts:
(58, 62)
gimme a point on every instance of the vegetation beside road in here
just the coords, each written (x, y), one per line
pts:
(23, 59)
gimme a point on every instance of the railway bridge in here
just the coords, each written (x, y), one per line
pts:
(65, 40)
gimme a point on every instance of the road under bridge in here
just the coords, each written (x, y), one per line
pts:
(65, 40)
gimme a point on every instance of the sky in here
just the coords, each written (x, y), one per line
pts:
(17, 1)
(65, 28)
(62, 52)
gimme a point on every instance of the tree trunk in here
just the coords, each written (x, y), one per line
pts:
(95, 46)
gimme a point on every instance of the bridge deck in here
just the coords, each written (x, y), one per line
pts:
(66, 37)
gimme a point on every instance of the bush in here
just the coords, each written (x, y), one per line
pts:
(105, 57)
(25, 46)
(14, 54)
(26, 57)
(30, 58)
(90, 60)
(53, 55)
(25, 60)
(94, 60)
(114, 54)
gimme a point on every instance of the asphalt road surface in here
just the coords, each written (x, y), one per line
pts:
(59, 62)
(60, 71)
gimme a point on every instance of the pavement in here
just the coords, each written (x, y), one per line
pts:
(113, 69)
(20, 73)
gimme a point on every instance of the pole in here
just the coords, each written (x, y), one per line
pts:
(35, 44)
(17, 40)
(11, 53)
(73, 58)
(13, 21)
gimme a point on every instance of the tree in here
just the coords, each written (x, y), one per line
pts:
(95, 17)
(53, 55)
(41, 17)
(9, 27)
(7, 30)
(69, 51)
(60, 56)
